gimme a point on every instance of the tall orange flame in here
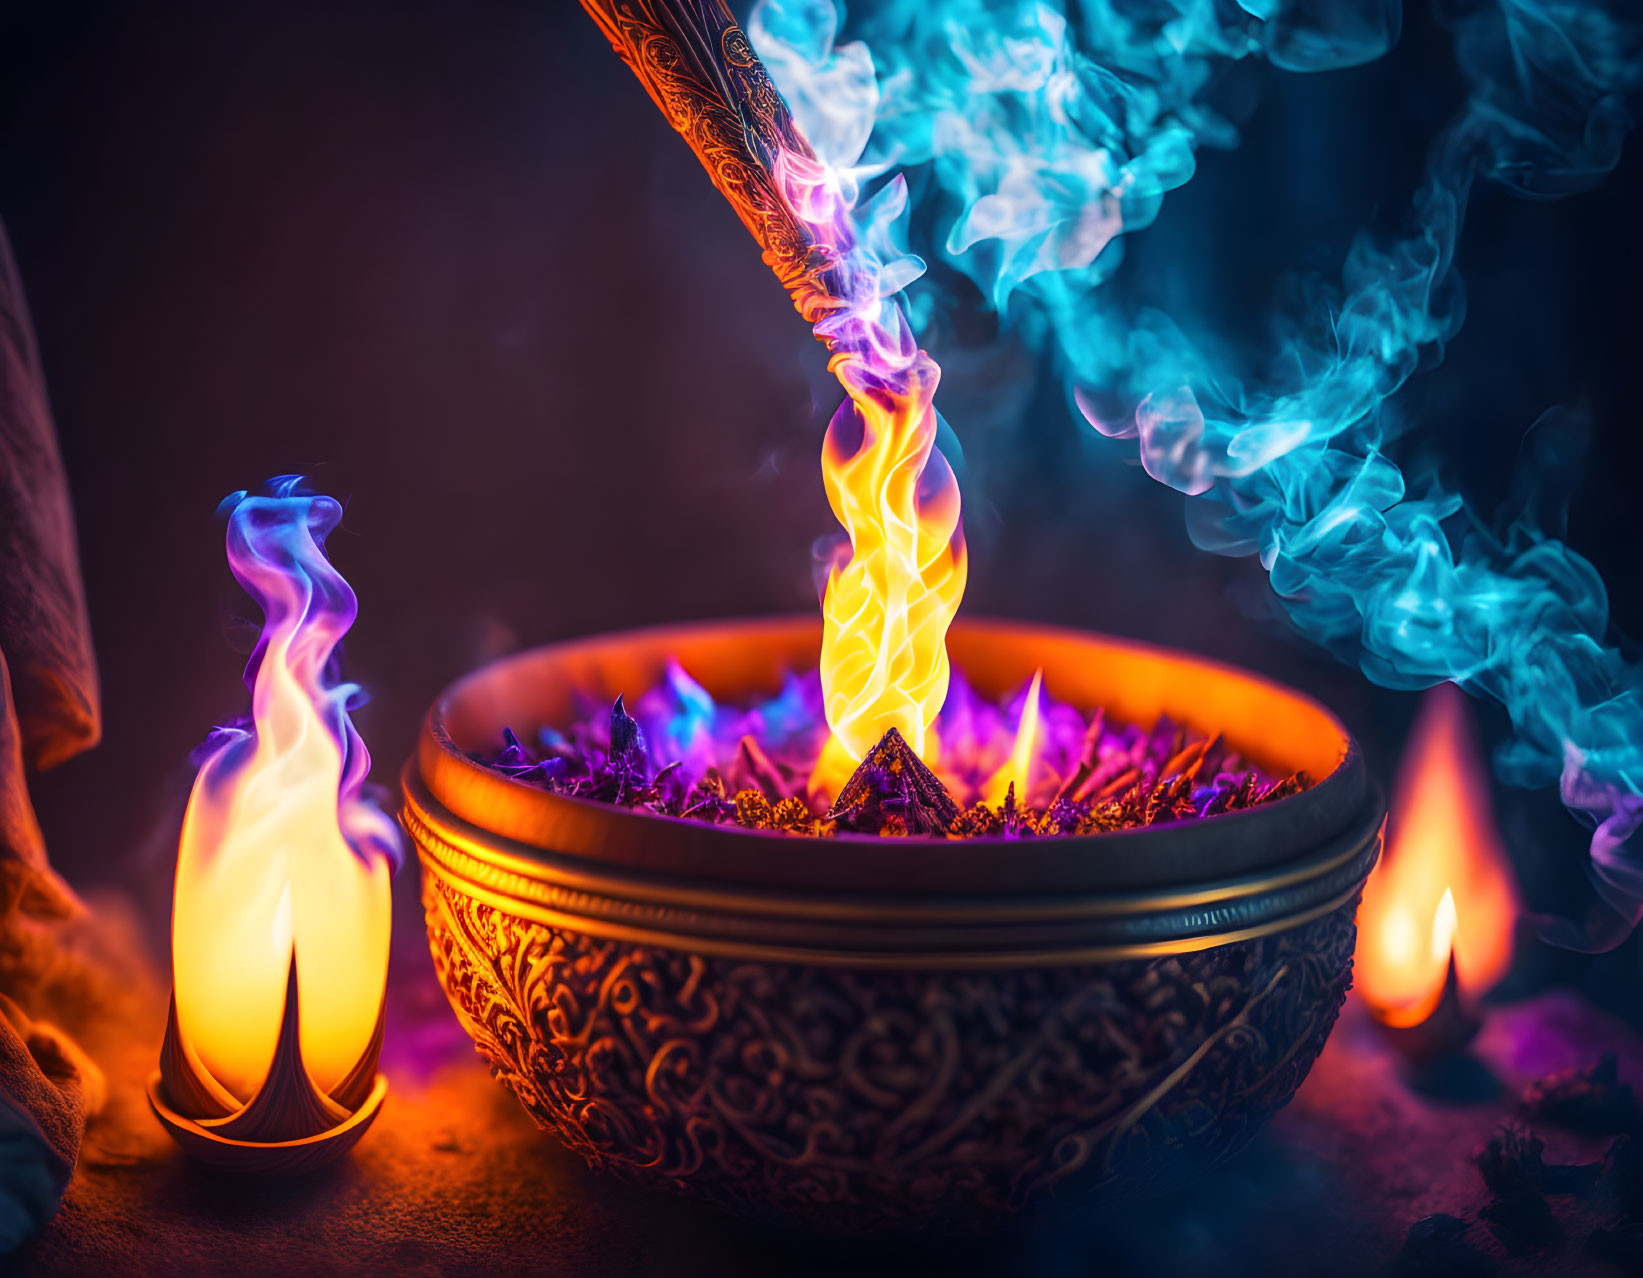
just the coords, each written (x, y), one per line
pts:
(279, 853)
(890, 599)
(1444, 884)
(888, 602)
(887, 609)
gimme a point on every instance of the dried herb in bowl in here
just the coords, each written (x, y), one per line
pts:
(680, 754)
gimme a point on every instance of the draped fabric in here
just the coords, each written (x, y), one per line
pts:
(48, 677)
(48, 713)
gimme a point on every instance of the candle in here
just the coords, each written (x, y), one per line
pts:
(281, 915)
(1435, 927)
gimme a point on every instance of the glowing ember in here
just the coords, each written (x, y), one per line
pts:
(1034, 766)
(280, 853)
(1444, 884)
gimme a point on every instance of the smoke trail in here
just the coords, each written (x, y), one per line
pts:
(1039, 142)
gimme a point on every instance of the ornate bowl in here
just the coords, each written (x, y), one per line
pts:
(862, 1032)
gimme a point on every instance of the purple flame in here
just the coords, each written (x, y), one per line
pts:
(276, 550)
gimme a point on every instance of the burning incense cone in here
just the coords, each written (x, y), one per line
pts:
(892, 784)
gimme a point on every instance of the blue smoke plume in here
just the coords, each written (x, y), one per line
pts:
(1038, 137)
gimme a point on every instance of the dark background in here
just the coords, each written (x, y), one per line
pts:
(447, 259)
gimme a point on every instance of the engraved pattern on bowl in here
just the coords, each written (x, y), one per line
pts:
(859, 1060)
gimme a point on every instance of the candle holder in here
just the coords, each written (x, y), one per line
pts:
(288, 1126)
(1446, 1032)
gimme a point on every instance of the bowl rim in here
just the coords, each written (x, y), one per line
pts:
(537, 823)
(876, 930)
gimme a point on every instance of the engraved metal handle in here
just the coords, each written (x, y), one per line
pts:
(700, 69)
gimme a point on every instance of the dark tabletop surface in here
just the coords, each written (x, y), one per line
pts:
(454, 1178)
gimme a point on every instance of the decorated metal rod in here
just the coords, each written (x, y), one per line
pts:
(700, 69)
(893, 591)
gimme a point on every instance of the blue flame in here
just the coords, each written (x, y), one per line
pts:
(1038, 141)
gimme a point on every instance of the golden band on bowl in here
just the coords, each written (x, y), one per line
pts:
(864, 1032)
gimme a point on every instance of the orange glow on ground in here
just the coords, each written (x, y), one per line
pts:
(1444, 883)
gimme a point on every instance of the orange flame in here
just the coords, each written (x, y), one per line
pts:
(1444, 884)
(1017, 770)
(889, 600)
(886, 611)
(264, 868)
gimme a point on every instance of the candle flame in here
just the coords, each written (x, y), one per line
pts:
(1443, 928)
(1444, 885)
(1017, 769)
(279, 850)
